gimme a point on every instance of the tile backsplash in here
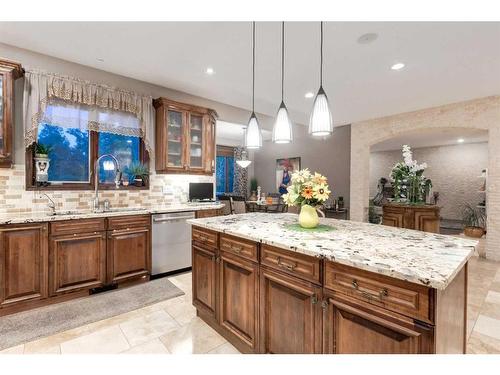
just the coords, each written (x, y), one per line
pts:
(164, 190)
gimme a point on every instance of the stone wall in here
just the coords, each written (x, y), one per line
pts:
(164, 190)
(481, 113)
(453, 169)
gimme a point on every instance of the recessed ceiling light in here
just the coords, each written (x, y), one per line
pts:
(210, 71)
(398, 66)
(100, 59)
(309, 95)
(460, 140)
(367, 38)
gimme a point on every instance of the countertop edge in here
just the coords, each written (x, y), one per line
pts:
(400, 276)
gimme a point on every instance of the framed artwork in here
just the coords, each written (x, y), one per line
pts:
(284, 169)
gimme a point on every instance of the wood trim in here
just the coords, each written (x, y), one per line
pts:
(94, 150)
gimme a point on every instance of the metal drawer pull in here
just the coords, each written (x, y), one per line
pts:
(383, 293)
(288, 266)
(203, 238)
(238, 249)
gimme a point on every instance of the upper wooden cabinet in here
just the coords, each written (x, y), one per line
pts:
(185, 138)
(9, 71)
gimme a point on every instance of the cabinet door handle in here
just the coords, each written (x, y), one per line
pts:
(314, 299)
(238, 249)
(288, 266)
(383, 293)
(355, 284)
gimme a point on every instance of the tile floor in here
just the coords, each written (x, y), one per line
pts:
(172, 326)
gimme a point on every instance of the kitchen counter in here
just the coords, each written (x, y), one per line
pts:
(431, 260)
(15, 218)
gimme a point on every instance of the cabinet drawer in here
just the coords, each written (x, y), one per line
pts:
(396, 295)
(204, 237)
(300, 265)
(238, 246)
(124, 222)
(77, 226)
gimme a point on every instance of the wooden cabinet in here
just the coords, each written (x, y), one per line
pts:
(129, 254)
(204, 279)
(422, 217)
(208, 213)
(355, 327)
(290, 314)
(23, 263)
(239, 298)
(185, 138)
(77, 261)
(9, 71)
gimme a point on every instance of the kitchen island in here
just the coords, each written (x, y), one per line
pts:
(352, 288)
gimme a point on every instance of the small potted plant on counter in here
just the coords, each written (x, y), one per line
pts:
(42, 162)
(474, 220)
(138, 173)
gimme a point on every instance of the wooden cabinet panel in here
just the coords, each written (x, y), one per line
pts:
(129, 254)
(353, 327)
(421, 217)
(290, 314)
(427, 221)
(77, 226)
(77, 262)
(406, 298)
(239, 246)
(9, 71)
(208, 213)
(393, 219)
(205, 238)
(128, 222)
(23, 263)
(238, 298)
(204, 278)
(300, 265)
(185, 138)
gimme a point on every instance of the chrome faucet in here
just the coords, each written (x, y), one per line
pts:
(95, 201)
(51, 204)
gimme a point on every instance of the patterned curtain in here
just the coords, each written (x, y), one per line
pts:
(240, 181)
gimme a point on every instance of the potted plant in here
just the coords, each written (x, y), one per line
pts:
(138, 173)
(474, 219)
(307, 191)
(253, 189)
(42, 162)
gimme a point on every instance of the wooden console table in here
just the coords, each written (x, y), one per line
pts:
(419, 217)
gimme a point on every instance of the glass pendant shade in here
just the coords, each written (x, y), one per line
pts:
(253, 135)
(320, 123)
(282, 130)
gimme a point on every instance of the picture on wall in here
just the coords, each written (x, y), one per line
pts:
(284, 169)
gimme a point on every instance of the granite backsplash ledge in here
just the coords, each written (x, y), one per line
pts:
(164, 190)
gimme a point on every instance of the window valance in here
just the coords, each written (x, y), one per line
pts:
(74, 103)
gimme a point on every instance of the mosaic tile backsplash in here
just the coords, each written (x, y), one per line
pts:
(164, 190)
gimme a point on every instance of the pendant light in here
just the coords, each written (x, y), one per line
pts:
(282, 130)
(253, 135)
(243, 162)
(320, 123)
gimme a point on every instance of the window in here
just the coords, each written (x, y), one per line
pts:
(224, 169)
(74, 147)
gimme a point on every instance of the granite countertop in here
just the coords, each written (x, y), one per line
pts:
(15, 218)
(429, 259)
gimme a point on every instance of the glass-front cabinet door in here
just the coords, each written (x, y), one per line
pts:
(9, 71)
(196, 141)
(175, 139)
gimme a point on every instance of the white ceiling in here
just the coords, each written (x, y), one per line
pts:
(432, 137)
(445, 62)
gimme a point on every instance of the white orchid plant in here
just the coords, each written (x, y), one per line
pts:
(410, 184)
(307, 188)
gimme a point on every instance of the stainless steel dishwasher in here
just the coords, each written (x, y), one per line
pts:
(171, 242)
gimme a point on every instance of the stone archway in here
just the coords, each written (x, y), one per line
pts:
(481, 113)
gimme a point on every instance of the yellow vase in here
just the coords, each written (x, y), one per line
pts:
(308, 217)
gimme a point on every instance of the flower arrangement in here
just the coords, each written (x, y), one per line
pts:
(410, 184)
(307, 189)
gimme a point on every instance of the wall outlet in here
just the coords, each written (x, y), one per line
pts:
(167, 189)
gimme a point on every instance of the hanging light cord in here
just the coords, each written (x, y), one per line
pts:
(321, 58)
(282, 59)
(253, 66)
